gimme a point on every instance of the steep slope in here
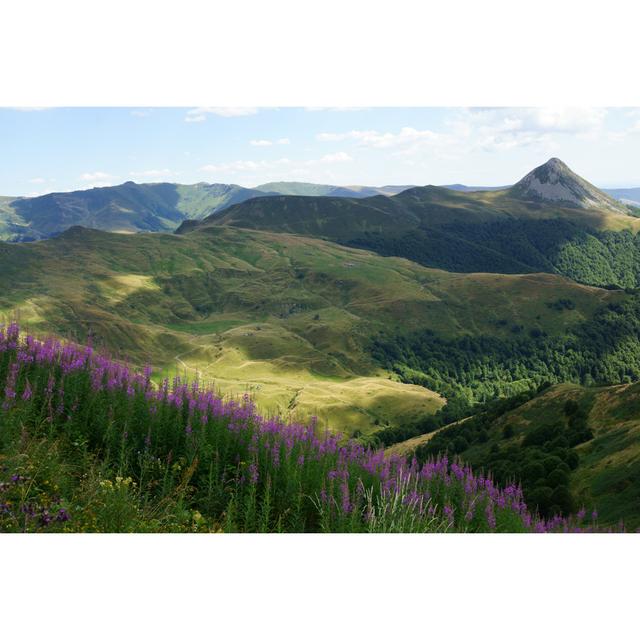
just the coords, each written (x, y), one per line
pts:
(554, 182)
(514, 230)
(121, 455)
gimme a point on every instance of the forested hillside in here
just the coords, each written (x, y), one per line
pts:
(582, 233)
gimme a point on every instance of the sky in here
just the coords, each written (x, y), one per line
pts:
(63, 149)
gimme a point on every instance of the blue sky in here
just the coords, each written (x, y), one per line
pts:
(74, 148)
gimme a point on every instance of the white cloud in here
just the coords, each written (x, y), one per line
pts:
(96, 175)
(38, 180)
(499, 129)
(269, 143)
(407, 141)
(152, 173)
(565, 119)
(280, 169)
(375, 139)
(485, 129)
(200, 113)
(98, 179)
(141, 113)
(335, 158)
(632, 127)
(336, 108)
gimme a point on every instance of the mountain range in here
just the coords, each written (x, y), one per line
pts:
(132, 207)
(551, 221)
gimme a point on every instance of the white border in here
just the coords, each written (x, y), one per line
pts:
(311, 53)
(331, 586)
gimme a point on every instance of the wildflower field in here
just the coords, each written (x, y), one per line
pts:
(89, 444)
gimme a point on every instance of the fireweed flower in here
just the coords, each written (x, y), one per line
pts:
(27, 393)
(490, 514)
(62, 516)
(448, 512)
(439, 487)
(346, 499)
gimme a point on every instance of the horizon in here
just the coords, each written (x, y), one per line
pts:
(59, 150)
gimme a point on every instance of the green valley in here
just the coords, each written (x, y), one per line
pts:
(289, 318)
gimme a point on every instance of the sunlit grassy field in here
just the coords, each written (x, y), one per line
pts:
(284, 317)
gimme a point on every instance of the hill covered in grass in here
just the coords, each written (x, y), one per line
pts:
(551, 221)
(294, 320)
(87, 444)
(568, 445)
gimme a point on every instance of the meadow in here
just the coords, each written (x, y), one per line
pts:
(286, 318)
(91, 444)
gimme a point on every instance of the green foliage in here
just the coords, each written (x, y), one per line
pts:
(605, 349)
(542, 460)
(463, 232)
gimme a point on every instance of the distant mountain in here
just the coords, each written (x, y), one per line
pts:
(126, 208)
(553, 182)
(627, 196)
(551, 221)
(131, 207)
(311, 189)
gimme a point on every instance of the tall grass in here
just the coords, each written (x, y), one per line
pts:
(178, 457)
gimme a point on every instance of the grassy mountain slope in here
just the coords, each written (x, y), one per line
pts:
(517, 230)
(88, 444)
(280, 316)
(291, 318)
(605, 471)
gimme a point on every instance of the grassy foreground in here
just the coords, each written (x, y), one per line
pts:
(87, 444)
